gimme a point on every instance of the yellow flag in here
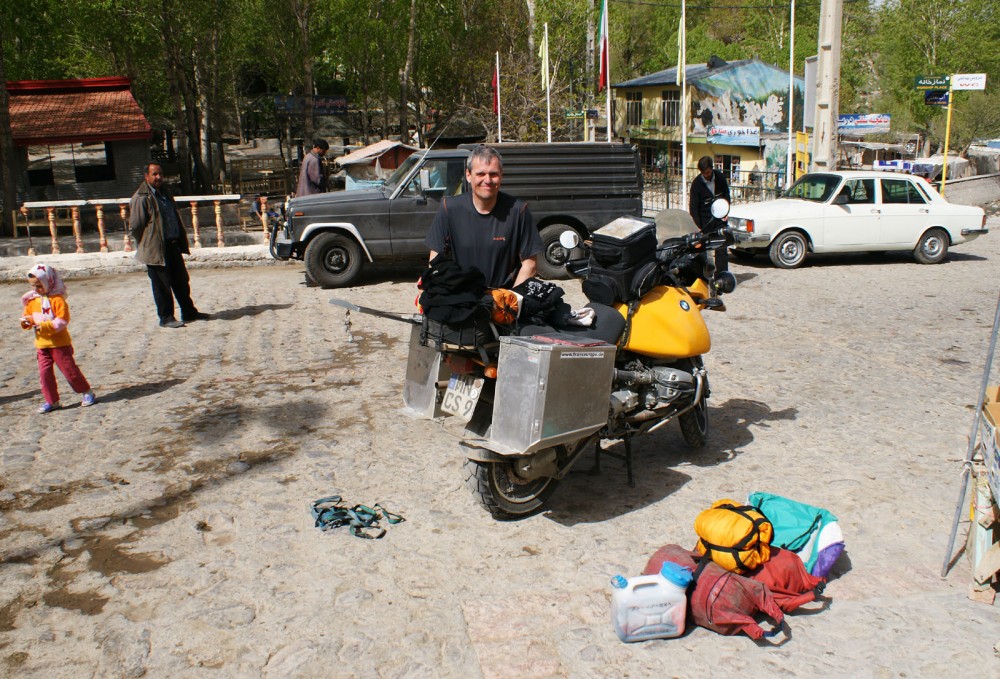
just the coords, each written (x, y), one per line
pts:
(543, 54)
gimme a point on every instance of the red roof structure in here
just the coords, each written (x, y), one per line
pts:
(74, 111)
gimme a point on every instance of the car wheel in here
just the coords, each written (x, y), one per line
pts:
(932, 247)
(553, 258)
(788, 250)
(333, 260)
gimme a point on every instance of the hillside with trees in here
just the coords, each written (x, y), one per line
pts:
(198, 65)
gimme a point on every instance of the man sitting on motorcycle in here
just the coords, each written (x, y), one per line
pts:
(486, 228)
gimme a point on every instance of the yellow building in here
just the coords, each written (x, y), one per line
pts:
(738, 114)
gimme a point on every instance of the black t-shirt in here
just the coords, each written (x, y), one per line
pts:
(494, 243)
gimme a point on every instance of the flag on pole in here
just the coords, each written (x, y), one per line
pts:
(680, 50)
(602, 47)
(496, 99)
(543, 54)
(496, 88)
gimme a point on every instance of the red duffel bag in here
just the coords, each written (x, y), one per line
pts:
(786, 577)
(721, 600)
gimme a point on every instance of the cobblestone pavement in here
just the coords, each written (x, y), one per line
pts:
(166, 532)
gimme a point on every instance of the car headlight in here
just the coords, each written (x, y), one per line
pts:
(741, 224)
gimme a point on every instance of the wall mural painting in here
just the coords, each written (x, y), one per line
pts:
(751, 95)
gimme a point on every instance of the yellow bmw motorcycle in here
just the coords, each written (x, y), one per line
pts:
(534, 401)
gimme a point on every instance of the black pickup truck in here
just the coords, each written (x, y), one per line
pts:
(576, 185)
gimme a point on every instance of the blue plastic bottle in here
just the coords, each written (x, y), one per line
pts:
(650, 606)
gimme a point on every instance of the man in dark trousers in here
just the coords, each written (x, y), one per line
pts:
(162, 244)
(706, 187)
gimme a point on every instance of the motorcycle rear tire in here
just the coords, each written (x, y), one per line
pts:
(694, 424)
(501, 493)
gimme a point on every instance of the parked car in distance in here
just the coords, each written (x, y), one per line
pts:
(854, 211)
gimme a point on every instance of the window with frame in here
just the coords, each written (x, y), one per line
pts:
(859, 191)
(900, 191)
(727, 164)
(70, 163)
(670, 108)
(633, 109)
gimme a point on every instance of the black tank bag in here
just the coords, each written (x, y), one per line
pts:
(622, 269)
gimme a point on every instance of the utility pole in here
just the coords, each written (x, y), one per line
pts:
(824, 156)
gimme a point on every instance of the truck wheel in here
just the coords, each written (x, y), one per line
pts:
(503, 493)
(552, 260)
(333, 260)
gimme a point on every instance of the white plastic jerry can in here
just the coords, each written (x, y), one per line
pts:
(650, 606)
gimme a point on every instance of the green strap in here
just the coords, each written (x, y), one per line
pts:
(363, 522)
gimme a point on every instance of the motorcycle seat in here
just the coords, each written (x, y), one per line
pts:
(607, 327)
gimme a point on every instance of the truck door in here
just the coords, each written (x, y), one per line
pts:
(415, 205)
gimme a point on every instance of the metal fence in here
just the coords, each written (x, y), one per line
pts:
(666, 189)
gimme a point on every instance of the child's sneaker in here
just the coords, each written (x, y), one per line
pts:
(88, 399)
(48, 407)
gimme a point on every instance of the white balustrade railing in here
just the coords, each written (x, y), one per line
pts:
(100, 204)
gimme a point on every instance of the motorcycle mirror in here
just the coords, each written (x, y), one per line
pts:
(720, 208)
(569, 239)
(725, 282)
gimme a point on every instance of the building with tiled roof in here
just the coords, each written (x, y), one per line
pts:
(77, 139)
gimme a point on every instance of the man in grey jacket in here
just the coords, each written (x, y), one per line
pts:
(312, 178)
(161, 245)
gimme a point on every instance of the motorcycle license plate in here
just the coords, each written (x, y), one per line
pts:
(461, 396)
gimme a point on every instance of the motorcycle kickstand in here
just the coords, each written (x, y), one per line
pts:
(627, 457)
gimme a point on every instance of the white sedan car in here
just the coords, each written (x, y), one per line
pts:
(854, 211)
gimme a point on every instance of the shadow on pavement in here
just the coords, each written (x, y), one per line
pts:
(137, 391)
(583, 497)
(827, 260)
(14, 398)
(252, 310)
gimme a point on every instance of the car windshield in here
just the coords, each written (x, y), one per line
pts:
(396, 178)
(814, 187)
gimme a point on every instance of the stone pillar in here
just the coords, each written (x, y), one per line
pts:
(51, 212)
(127, 241)
(194, 223)
(75, 210)
(27, 230)
(263, 214)
(218, 224)
(100, 227)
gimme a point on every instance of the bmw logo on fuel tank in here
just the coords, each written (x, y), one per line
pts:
(685, 305)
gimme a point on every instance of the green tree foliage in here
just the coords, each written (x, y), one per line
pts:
(197, 65)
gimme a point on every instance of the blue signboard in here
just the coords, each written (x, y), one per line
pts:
(936, 97)
(863, 123)
(733, 136)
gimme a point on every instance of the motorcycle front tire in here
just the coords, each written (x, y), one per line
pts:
(502, 493)
(694, 424)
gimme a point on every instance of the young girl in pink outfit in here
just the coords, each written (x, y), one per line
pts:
(47, 313)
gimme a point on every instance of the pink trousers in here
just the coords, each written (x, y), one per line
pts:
(62, 357)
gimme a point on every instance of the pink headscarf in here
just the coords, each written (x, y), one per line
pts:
(49, 278)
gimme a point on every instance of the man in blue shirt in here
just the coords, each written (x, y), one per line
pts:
(161, 245)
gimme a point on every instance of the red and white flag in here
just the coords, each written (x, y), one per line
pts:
(602, 48)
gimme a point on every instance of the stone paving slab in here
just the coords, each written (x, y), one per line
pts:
(165, 532)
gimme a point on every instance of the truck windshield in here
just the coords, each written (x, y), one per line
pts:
(397, 177)
(814, 187)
